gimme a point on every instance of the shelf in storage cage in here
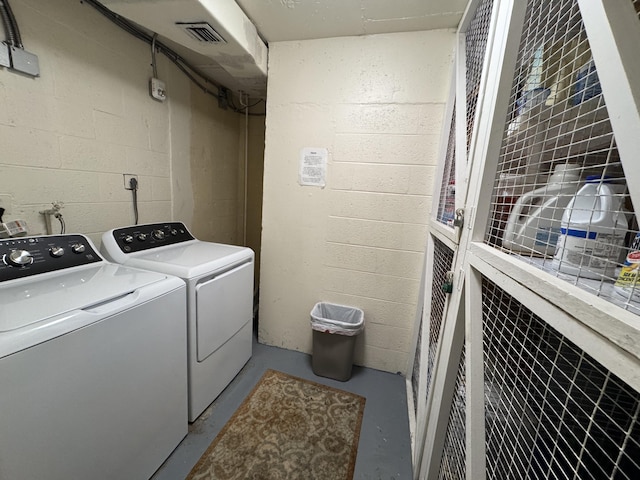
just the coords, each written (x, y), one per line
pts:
(560, 131)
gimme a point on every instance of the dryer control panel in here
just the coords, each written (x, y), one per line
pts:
(26, 256)
(151, 235)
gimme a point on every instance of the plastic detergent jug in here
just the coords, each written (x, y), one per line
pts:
(628, 283)
(593, 230)
(533, 225)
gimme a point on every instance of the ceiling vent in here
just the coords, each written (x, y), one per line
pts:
(201, 31)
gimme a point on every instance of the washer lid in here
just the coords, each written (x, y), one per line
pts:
(192, 259)
(27, 301)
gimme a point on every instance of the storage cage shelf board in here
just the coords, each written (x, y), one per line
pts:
(560, 199)
(551, 410)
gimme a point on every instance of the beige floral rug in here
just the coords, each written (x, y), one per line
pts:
(287, 428)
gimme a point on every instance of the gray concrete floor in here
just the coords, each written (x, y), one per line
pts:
(384, 451)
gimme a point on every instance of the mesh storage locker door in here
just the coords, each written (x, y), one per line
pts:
(415, 374)
(455, 163)
(476, 38)
(430, 338)
(550, 374)
(560, 199)
(442, 263)
(453, 461)
(447, 198)
(551, 410)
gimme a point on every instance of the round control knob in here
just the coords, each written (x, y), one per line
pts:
(78, 248)
(142, 237)
(56, 252)
(158, 234)
(128, 239)
(20, 258)
(174, 232)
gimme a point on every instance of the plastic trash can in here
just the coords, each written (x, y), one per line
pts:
(335, 328)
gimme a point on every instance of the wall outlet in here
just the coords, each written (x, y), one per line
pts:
(156, 89)
(5, 202)
(127, 180)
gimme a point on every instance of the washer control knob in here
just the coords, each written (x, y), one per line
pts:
(158, 234)
(142, 237)
(174, 232)
(20, 258)
(128, 238)
(56, 252)
(78, 248)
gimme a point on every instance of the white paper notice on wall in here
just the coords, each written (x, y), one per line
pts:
(313, 166)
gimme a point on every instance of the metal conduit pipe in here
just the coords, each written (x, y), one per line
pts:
(7, 25)
(10, 24)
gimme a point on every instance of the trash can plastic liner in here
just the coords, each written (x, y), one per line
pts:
(337, 319)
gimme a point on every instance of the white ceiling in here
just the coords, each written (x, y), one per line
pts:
(280, 20)
(240, 62)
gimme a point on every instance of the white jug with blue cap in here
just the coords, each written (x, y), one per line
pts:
(593, 230)
(534, 223)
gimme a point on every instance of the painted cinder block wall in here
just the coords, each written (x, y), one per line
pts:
(70, 134)
(377, 104)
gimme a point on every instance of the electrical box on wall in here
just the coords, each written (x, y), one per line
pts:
(157, 89)
(24, 62)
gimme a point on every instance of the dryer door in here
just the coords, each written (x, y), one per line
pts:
(224, 304)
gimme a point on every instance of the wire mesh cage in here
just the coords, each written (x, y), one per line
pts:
(447, 200)
(442, 263)
(560, 199)
(475, 49)
(452, 463)
(551, 410)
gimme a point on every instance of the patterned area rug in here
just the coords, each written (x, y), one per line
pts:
(287, 428)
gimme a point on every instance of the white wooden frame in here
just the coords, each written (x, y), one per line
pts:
(418, 336)
(444, 230)
(610, 334)
(427, 459)
(614, 46)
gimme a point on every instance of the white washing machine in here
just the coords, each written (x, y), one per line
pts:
(219, 298)
(93, 364)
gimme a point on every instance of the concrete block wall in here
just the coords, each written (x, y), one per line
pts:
(377, 104)
(216, 170)
(70, 134)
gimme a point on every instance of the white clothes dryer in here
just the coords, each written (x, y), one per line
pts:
(219, 293)
(93, 363)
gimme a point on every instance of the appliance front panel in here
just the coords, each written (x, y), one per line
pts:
(224, 304)
(104, 402)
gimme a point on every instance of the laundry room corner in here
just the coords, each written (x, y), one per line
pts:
(375, 103)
